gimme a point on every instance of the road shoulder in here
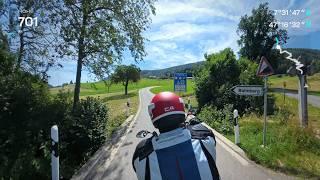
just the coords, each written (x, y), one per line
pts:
(102, 158)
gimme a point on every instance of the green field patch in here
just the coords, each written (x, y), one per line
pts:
(100, 88)
(169, 86)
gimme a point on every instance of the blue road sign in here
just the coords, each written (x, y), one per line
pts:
(180, 82)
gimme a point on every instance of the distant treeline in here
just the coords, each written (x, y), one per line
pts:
(307, 56)
(169, 72)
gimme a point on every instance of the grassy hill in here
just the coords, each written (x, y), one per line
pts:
(168, 72)
(98, 88)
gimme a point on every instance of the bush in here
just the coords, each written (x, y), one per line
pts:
(283, 115)
(82, 132)
(24, 127)
(220, 120)
(91, 115)
(214, 81)
(28, 111)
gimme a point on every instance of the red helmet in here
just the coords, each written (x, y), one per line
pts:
(165, 104)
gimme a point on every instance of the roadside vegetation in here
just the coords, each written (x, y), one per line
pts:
(28, 111)
(117, 102)
(29, 108)
(289, 147)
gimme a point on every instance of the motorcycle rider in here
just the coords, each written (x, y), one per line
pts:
(180, 151)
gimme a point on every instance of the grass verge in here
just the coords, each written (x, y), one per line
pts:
(290, 148)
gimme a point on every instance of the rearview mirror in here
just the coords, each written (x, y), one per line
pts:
(142, 134)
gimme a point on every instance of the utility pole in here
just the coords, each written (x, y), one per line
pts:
(303, 100)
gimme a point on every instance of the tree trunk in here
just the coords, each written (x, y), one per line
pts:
(126, 87)
(76, 96)
(21, 48)
(81, 55)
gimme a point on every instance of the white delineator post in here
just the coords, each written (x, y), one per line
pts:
(236, 127)
(54, 152)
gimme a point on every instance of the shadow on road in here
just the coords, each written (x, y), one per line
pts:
(127, 144)
(95, 168)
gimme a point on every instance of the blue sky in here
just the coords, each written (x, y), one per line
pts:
(183, 30)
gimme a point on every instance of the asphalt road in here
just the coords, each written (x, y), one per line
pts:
(312, 99)
(230, 164)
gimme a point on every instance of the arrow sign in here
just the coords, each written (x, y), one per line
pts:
(265, 68)
(248, 90)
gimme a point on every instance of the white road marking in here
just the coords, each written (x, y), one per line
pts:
(243, 161)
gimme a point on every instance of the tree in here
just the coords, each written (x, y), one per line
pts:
(258, 32)
(214, 80)
(24, 123)
(124, 74)
(103, 73)
(31, 39)
(97, 32)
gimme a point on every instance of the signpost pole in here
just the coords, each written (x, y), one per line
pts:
(265, 69)
(265, 110)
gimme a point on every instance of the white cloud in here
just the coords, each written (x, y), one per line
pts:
(183, 30)
(171, 11)
(213, 46)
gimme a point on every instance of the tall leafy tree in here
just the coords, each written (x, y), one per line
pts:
(97, 32)
(258, 32)
(216, 77)
(125, 74)
(30, 39)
